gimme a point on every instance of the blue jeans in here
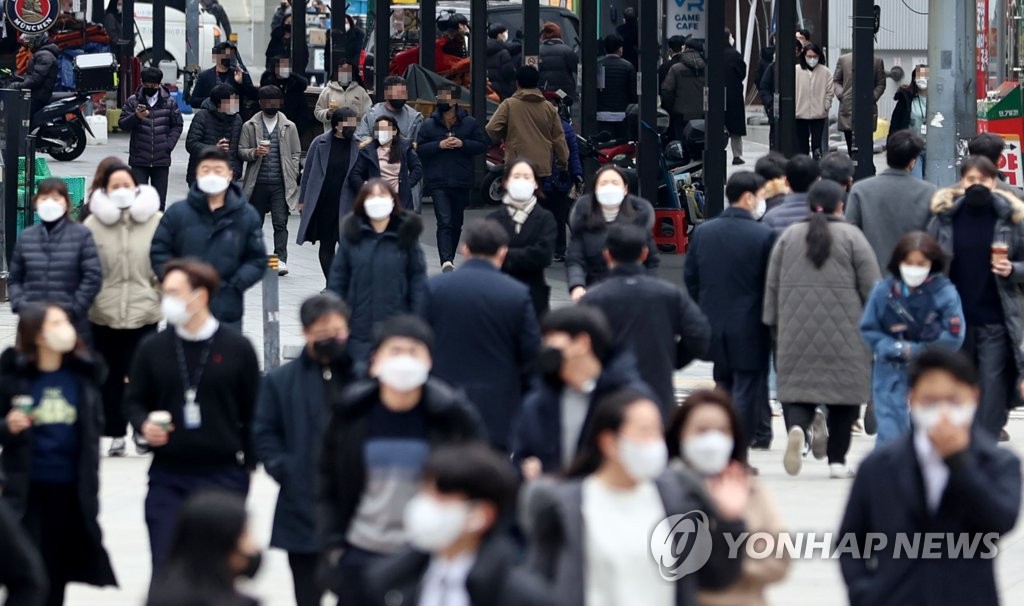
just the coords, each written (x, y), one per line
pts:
(449, 208)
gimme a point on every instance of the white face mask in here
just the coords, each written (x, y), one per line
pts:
(431, 525)
(643, 461)
(707, 453)
(212, 184)
(284, 72)
(50, 209)
(610, 196)
(927, 417)
(921, 83)
(379, 207)
(61, 339)
(403, 373)
(760, 209)
(521, 190)
(914, 276)
(122, 198)
(812, 62)
(175, 310)
(384, 137)
(345, 78)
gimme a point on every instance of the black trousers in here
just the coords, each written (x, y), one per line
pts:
(558, 203)
(267, 198)
(808, 136)
(989, 347)
(155, 176)
(348, 580)
(117, 348)
(839, 421)
(328, 246)
(54, 520)
(449, 209)
(848, 135)
(304, 576)
(749, 391)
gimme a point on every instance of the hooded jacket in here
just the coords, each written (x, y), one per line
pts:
(209, 126)
(353, 96)
(558, 66)
(130, 297)
(229, 238)
(41, 74)
(682, 92)
(154, 137)
(531, 129)
(1010, 226)
(501, 69)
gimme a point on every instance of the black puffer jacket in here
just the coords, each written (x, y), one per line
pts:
(41, 74)
(584, 259)
(230, 239)
(558, 67)
(58, 265)
(208, 127)
(154, 137)
(619, 84)
(501, 69)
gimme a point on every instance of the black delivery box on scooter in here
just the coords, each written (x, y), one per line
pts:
(95, 72)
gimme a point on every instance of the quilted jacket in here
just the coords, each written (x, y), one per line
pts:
(815, 315)
(153, 137)
(208, 127)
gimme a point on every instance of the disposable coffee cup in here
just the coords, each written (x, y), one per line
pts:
(160, 418)
(264, 142)
(335, 104)
(1000, 251)
(22, 404)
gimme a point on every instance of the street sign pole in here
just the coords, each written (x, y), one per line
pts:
(863, 88)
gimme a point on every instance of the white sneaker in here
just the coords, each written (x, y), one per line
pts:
(819, 435)
(282, 268)
(793, 459)
(447, 266)
(838, 471)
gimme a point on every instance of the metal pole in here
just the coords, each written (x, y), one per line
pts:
(16, 107)
(951, 87)
(30, 178)
(127, 47)
(531, 29)
(589, 16)
(271, 316)
(192, 44)
(714, 136)
(382, 46)
(428, 33)
(478, 65)
(649, 150)
(785, 78)
(98, 10)
(863, 88)
(300, 46)
(159, 32)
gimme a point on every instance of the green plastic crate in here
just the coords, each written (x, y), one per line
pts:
(42, 168)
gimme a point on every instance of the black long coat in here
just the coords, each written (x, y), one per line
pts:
(16, 375)
(735, 106)
(530, 252)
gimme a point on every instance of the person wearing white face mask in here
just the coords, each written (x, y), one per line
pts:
(583, 536)
(56, 260)
(814, 95)
(191, 394)
(460, 549)
(939, 475)
(122, 218)
(379, 269)
(345, 89)
(705, 439)
(915, 307)
(390, 156)
(379, 437)
(217, 122)
(50, 411)
(608, 202)
(217, 225)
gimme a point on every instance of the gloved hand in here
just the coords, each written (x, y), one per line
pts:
(578, 180)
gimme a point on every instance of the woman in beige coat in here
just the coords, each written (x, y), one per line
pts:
(705, 438)
(122, 218)
(814, 94)
(345, 89)
(820, 274)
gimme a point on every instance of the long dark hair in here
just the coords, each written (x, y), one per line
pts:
(811, 46)
(395, 153)
(207, 533)
(705, 397)
(358, 79)
(31, 318)
(824, 198)
(912, 87)
(609, 415)
(595, 218)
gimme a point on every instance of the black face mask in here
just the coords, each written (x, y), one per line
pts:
(444, 107)
(549, 365)
(287, 29)
(149, 92)
(271, 111)
(977, 195)
(329, 350)
(252, 565)
(397, 103)
(348, 132)
(225, 62)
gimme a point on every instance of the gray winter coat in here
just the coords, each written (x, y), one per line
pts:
(1010, 226)
(314, 173)
(793, 209)
(815, 315)
(887, 206)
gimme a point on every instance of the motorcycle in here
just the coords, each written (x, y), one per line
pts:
(59, 126)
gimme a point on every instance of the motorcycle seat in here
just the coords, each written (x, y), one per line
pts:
(62, 95)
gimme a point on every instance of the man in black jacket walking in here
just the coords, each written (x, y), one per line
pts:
(191, 394)
(155, 123)
(41, 74)
(217, 225)
(654, 318)
(291, 414)
(616, 87)
(736, 246)
(226, 70)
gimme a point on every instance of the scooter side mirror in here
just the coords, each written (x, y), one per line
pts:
(622, 161)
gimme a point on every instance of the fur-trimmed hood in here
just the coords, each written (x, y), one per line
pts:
(146, 205)
(947, 200)
(406, 227)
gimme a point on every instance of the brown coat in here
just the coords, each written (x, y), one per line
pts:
(842, 84)
(531, 129)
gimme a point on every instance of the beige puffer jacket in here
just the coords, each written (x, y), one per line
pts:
(354, 97)
(814, 92)
(130, 297)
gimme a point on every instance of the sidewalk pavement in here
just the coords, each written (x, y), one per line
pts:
(810, 502)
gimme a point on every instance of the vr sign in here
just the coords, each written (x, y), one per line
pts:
(686, 18)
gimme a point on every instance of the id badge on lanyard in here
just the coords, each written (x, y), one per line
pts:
(193, 416)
